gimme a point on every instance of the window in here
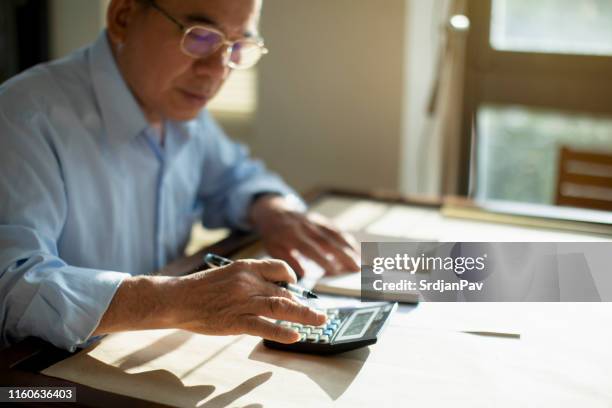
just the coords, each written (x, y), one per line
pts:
(238, 96)
(235, 105)
(554, 26)
(518, 149)
(537, 78)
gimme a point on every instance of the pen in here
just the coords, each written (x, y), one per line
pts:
(213, 260)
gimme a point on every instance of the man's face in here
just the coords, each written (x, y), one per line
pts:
(166, 82)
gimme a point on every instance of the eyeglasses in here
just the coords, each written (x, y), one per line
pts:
(201, 41)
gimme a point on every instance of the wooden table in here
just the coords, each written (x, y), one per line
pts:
(20, 364)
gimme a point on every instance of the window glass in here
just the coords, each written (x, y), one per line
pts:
(518, 149)
(238, 94)
(553, 26)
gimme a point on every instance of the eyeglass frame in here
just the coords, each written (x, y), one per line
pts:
(229, 45)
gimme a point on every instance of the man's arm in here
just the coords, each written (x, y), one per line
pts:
(240, 192)
(222, 301)
(43, 296)
(40, 294)
(285, 230)
(231, 179)
(140, 303)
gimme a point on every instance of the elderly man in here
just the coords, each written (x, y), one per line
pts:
(108, 158)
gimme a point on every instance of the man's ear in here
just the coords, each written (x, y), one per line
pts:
(118, 18)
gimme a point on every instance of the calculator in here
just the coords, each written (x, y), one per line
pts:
(346, 329)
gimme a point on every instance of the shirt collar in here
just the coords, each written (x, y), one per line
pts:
(122, 116)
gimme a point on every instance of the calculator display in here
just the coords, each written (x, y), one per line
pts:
(357, 325)
(346, 329)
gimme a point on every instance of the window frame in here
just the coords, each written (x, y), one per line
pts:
(565, 82)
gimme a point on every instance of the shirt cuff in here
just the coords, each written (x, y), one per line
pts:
(67, 309)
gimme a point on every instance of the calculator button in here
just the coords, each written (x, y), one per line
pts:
(302, 337)
(316, 331)
(328, 333)
(332, 327)
(324, 339)
(312, 338)
(285, 324)
(305, 330)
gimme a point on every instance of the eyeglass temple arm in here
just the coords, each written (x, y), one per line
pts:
(165, 13)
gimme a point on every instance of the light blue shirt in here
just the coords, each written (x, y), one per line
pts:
(88, 196)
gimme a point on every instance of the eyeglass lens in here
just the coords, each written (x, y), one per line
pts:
(200, 42)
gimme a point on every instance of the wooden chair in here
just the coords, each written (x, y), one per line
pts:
(584, 179)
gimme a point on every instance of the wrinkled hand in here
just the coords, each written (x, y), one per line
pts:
(286, 233)
(234, 299)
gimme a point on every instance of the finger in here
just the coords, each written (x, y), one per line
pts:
(274, 270)
(345, 256)
(257, 326)
(284, 309)
(311, 249)
(340, 237)
(236, 267)
(343, 246)
(271, 290)
(351, 250)
(290, 258)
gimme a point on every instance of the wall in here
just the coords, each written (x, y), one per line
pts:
(331, 92)
(75, 23)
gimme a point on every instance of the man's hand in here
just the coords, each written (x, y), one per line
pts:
(233, 299)
(286, 232)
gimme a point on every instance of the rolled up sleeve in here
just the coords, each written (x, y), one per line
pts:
(40, 294)
(46, 298)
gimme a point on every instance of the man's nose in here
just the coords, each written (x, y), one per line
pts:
(214, 64)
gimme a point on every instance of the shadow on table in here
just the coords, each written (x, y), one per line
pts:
(169, 388)
(166, 383)
(155, 350)
(333, 374)
(227, 398)
(158, 385)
